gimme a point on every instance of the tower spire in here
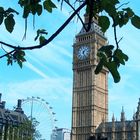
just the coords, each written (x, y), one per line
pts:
(122, 115)
(113, 118)
(113, 127)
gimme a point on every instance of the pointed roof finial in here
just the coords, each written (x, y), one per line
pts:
(122, 109)
(113, 118)
(122, 114)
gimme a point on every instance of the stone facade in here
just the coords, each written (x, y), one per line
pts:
(121, 130)
(90, 93)
(10, 122)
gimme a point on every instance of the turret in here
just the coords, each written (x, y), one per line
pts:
(103, 127)
(134, 128)
(113, 127)
(122, 115)
(123, 123)
(2, 103)
(138, 111)
(138, 120)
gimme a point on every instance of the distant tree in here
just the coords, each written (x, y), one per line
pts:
(29, 129)
(110, 13)
(26, 130)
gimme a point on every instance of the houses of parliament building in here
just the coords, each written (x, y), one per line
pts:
(90, 93)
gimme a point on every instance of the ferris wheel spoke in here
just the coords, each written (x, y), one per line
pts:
(39, 109)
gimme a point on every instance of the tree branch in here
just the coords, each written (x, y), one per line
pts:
(115, 32)
(7, 54)
(122, 5)
(50, 38)
(90, 4)
(77, 15)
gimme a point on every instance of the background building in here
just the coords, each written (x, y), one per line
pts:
(12, 123)
(61, 134)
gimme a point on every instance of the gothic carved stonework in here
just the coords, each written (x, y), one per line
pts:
(90, 91)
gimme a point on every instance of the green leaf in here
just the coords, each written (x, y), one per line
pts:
(9, 60)
(9, 23)
(99, 66)
(87, 9)
(104, 23)
(49, 5)
(123, 21)
(1, 15)
(112, 67)
(1, 9)
(135, 20)
(33, 9)
(120, 57)
(107, 50)
(10, 10)
(40, 32)
(26, 11)
(20, 63)
(42, 39)
(1, 18)
(18, 56)
(52, 4)
(129, 11)
(39, 9)
(109, 6)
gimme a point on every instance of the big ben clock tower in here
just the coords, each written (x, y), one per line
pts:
(90, 91)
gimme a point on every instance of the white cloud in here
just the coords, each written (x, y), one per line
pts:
(50, 88)
(36, 70)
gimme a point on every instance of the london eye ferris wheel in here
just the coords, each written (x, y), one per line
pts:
(39, 109)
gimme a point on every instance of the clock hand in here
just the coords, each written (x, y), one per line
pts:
(83, 52)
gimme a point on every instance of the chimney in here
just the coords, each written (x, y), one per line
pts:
(3, 104)
(19, 109)
(19, 103)
(0, 97)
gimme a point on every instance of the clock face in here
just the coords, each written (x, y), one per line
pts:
(83, 52)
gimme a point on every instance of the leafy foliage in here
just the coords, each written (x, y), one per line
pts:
(17, 56)
(110, 13)
(104, 23)
(111, 59)
(8, 17)
(29, 129)
(9, 23)
(35, 7)
(40, 34)
(49, 5)
(136, 21)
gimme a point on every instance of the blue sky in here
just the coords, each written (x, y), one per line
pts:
(48, 71)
